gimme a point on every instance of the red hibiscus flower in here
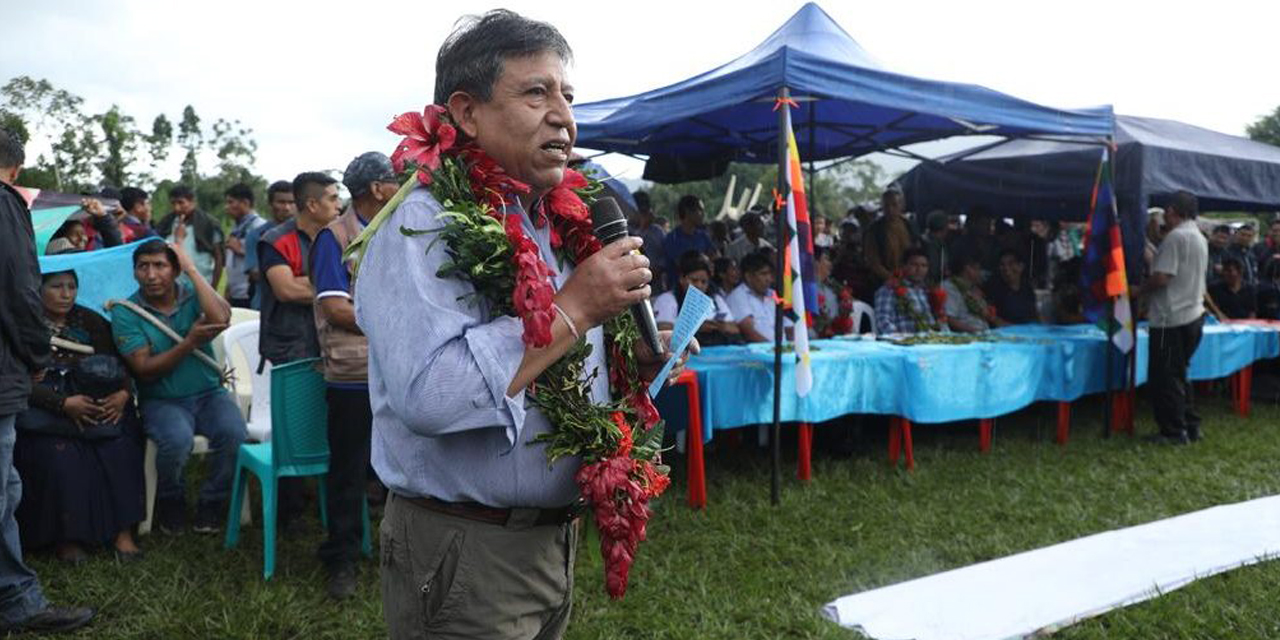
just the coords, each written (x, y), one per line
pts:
(489, 180)
(901, 292)
(564, 201)
(426, 136)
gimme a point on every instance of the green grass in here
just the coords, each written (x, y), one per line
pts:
(746, 569)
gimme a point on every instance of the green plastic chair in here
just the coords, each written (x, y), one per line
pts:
(299, 446)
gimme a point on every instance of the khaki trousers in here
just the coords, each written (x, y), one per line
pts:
(450, 577)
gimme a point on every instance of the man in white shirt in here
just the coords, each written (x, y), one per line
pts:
(752, 302)
(1175, 291)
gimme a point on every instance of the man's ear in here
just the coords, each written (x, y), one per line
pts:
(462, 106)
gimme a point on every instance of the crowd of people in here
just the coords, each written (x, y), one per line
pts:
(939, 272)
(102, 386)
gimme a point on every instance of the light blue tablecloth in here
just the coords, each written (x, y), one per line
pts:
(938, 383)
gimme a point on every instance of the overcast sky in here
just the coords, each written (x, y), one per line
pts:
(319, 81)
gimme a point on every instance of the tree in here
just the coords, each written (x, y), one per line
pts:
(158, 143)
(190, 137)
(1266, 129)
(831, 191)
(53, 113)
(119, 146)
(13, 123)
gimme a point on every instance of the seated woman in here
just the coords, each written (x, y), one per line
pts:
(695, 271)
(725, 277)
(79, 448)
(1010, 293)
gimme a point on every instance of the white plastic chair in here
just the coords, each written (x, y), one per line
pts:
(861, 310)
(241, 341)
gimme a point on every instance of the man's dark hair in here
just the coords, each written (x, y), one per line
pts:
(12, 153)
(240, 191)
(471, 57)
(643, 203)
(156, 247)
(1186, 204)
(693, 262)
(960, 260)
(310, 184)
(687, 204)
(755, 261)
(1223, 228)
(913, 252)
(1233, 262)
(65, 228)
(1013, 253)
(181, 192)
(130, 196)
(279, 186)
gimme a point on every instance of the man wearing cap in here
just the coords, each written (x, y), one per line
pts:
(345, 350)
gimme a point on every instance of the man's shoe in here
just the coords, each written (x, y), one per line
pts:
(342, 582)
(171, 516)
(53, 620)
(1194, 435)
(1166, 437)
(209, 517)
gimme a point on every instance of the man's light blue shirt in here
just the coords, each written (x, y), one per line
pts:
(439, 367)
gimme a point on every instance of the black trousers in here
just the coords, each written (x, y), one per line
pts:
(350, 427)
(1168, 360)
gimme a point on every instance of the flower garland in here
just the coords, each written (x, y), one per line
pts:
(920, 322)
(973, 300)
(618, 443)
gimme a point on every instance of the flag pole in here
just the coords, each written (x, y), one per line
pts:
(784, 187)
(1106, 403)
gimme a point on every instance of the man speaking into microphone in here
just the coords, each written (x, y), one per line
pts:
(479, 534)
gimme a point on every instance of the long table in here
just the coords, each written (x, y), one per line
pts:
(934, 383)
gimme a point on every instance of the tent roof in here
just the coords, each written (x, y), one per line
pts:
(849, 105)
(1155, 158)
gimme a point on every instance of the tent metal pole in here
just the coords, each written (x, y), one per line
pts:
(784, 121)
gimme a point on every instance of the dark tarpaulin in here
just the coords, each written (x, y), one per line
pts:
(1054, 180)
(848, 105)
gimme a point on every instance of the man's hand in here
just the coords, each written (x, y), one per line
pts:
(93, 206)
(82, 410)
(179, 231)
(112, 407)
(203, 331)
(650, 364)
(184, 261)
(606, 284)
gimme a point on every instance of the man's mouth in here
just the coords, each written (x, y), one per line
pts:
(557, 148)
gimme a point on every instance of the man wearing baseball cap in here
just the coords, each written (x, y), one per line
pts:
(372, 182)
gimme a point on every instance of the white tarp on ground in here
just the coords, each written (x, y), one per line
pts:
(1056, 586)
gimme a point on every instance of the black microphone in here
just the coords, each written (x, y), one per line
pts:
(609, 225)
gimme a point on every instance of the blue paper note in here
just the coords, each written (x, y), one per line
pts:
(695, 310)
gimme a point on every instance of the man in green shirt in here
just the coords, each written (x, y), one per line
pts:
(180, 395)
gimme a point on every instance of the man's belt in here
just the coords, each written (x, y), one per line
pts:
(498, 516)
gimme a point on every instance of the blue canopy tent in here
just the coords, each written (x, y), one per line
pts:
(850, 105)
(1052, 179)
(847, 105)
